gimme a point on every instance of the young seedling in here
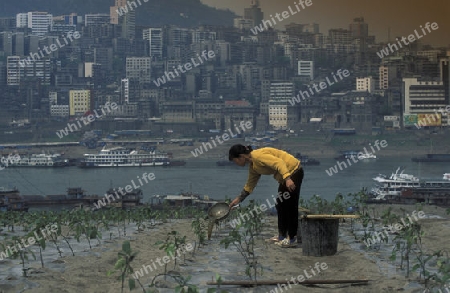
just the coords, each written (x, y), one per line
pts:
(243, 237)
(217, 290)
(123, 264)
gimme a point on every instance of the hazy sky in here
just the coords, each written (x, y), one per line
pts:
(402, 16)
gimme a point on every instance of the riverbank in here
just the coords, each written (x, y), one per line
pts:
(318, 145)
(313, 145)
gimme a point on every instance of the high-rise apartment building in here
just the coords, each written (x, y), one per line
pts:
(124, 91)
(280, 111)
(6, 43)
(40, 23)
(123, 13)
(358, 28)
(383, 76)
(138, 69)
(79, 102)
(154, 36)
(13, 70)
(444, 64)
(18, 70)
(18, 43)
(254, 13)
(21, 20)
(365, 84)
(306, 68)
(96, 19)
(421, 100)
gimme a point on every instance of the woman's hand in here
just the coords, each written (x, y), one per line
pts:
(235, 201)
(290, 184)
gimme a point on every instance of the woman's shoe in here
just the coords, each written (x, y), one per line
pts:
(288, 243)
(276, 239)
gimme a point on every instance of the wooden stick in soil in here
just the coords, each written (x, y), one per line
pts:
(276, 282)
(331, 216)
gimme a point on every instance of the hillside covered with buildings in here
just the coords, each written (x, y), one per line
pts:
(171, 68)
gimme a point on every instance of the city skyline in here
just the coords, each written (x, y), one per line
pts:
(402, 17)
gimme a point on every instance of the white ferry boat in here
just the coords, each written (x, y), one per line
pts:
(39, 160)
(393, 187)
(124, 157)
(387, 188)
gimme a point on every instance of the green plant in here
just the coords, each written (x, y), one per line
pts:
(11, 251)
(182, 287)
(317, 205)
(217, 290)
(185, 287)
(243, 237)
(123, 264)
(442, 276)
(199, 226)
(171, 245)
(405, 240)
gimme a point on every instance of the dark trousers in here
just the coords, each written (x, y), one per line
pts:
(287, 209)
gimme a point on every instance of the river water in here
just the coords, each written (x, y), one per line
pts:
(204, 177)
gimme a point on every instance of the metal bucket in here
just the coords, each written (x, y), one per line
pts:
(216, 213)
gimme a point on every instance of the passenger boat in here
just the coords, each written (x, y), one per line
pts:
(124, 157)
(39, 160)
(408, 189)
(387, 188)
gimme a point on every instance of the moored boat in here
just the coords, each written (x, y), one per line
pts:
(348, 155)
(366, 156)
(39, 160)
(124, 157)
(305, 160)
(10, 200)
(387, 188)
(408, 189)
(184, 199)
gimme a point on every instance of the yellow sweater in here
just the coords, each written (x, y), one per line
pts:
(268, 161)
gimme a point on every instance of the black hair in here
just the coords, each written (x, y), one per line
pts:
(237, 150)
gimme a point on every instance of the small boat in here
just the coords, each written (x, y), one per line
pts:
(446, 176)
(129, 199)
(366, 156)
(348, 155)
(307, 161)
(10, 200)
(184, 199)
